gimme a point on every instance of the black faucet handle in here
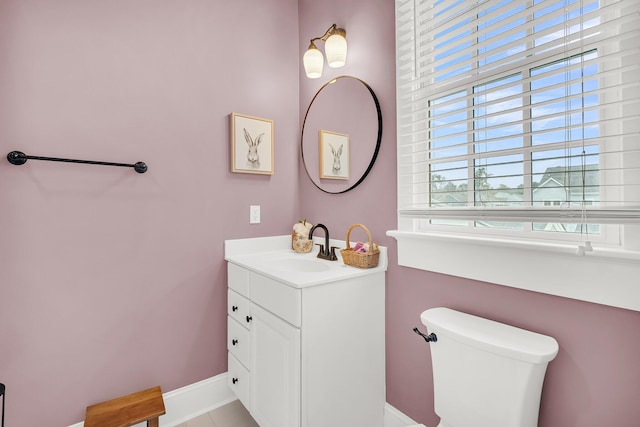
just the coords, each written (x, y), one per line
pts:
(321, 247)
(334, 257)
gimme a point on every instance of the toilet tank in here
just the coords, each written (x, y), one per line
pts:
(486, 373)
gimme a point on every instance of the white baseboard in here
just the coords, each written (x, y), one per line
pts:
(198, 398)
(191, 401)
(395, 418)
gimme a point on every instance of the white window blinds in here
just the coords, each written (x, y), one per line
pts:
(518, 115)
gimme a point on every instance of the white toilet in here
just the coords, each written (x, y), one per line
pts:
(485, 373)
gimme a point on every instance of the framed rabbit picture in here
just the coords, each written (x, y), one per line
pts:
(334, 155)
(251, 144)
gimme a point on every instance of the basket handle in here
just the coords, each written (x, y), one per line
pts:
(365, 229)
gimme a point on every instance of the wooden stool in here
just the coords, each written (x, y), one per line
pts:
(125, 411)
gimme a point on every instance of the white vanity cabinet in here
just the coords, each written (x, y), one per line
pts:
(307, 356)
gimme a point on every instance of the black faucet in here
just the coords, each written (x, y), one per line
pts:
(324, 252)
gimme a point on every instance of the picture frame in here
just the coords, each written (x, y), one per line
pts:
(252, 141)
(334, 155)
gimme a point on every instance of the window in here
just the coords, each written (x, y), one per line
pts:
(518, 127)
(512, 117)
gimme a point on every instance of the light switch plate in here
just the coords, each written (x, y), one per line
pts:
(254, 214)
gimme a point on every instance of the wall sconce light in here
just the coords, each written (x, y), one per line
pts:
(335, 46)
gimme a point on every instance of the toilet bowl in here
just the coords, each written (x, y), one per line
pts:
(486, 373)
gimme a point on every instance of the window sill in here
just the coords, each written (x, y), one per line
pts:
(603, 276)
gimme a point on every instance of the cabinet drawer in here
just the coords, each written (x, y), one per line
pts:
(238, 308)
(238, 341)
(238, 380)
(280, 299)
(238, 279)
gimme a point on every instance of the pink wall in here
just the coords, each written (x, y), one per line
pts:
(595, 379)
(114, 281)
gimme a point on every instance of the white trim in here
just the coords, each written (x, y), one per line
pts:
(603, 277)
(192, 400)
(395, 418)
(198, 398)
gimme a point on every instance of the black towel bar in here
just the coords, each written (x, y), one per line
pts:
(19, 158)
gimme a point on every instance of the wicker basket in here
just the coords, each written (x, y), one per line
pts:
(361, 260)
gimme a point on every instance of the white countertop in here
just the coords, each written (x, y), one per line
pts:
(274, 258)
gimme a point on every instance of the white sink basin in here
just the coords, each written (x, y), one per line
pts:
(300, 265)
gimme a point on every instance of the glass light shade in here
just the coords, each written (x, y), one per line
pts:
(336, 50)
(313, 63)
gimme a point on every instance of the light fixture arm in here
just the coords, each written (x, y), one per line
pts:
(331, 31)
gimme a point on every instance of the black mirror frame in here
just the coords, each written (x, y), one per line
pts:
(379, 138)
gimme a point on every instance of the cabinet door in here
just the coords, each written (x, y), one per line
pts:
(275, 370)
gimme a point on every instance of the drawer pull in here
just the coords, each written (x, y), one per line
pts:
(249, 319)
(234, 380)
(234, 342)
(234, 308)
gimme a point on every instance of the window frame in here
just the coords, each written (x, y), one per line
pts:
(542, 264)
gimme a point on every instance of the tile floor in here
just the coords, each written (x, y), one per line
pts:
(230, 415)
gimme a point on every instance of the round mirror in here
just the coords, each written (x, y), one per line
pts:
(341, 134)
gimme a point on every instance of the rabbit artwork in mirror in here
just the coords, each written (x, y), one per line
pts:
(336, 159)
(253, 160)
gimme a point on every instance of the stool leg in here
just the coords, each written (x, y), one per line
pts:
(4, 390)
(153, 422)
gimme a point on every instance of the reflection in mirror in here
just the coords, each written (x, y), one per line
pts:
(341, 134)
